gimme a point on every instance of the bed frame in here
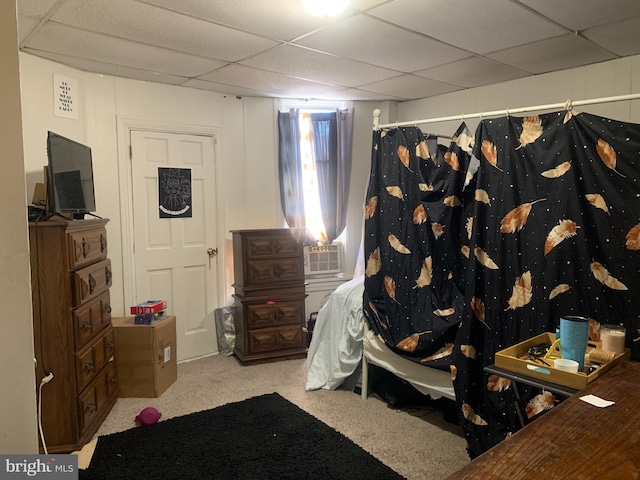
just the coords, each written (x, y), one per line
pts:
(427, 380)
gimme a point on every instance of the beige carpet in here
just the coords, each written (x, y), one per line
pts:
(419, 445)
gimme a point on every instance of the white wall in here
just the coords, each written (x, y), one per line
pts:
(248, 194)
(104, 103)
(616, 77)
(18, 432)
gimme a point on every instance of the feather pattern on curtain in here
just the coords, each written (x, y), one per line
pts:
(543, 221)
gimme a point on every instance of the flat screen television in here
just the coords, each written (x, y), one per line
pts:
(70, 177)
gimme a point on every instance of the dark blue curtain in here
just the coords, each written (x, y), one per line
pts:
(332, 141)
(290, 169)
(324, 139)
(345, 143)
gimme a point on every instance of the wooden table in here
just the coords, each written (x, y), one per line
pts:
(560, 391)
(574, 440)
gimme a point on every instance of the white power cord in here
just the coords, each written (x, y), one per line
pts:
(43, 382)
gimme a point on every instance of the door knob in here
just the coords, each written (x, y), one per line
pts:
(212, 252)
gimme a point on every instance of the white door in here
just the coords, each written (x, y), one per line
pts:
(176, 258)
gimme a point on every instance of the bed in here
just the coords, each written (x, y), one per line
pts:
(343, 346)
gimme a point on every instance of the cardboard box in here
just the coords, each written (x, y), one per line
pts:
(509, 359)
(146, 356)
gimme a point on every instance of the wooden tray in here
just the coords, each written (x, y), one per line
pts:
(510, 359)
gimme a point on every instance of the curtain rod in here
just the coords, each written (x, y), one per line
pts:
(568, 105)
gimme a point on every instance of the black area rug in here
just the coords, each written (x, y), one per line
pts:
(265, 437)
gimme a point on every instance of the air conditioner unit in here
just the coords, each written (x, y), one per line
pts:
(322, 259)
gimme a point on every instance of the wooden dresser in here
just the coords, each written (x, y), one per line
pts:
(269, 295)
(73, 339)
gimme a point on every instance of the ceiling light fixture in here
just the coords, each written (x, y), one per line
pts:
(325, 8)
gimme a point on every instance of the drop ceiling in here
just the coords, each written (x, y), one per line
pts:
(375, 50)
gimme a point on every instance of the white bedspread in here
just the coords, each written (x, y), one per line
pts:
(335, 351)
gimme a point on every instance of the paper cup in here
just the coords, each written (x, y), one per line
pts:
(566, 365)
(612, 337)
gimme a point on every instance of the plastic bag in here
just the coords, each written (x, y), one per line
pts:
(226, 330)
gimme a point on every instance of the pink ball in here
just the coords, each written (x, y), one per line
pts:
(148, 416)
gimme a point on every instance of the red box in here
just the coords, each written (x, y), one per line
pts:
(149, 307)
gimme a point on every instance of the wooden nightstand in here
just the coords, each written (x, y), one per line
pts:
(269, 295)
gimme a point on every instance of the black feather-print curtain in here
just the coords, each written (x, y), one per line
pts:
(548, 225)
(412, 225)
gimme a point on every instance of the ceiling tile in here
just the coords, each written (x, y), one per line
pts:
(280, 50)
(256, 79)
(304, 63)
(121, 18)
(225, 89)
(25, 26)
(620, 38)
(282, 19)
(581, 14)
(557, 53)
(472, 72)
(39, 8)
(110, 69)
(357, 94)
(79, 43)
(378, 43)
(410, 87)
(477, 26)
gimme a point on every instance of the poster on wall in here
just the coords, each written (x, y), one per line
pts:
(65, 92)
(174, 192)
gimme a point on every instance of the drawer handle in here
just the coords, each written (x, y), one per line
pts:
(107, 308)
(113, 378)
(88, 366)
(275, 246)
(86, 325)
(107, 274)
(85, 247)
(277, 315)
(111, 343)
(92, 283)
(103, 243)
(275, 271)
(91, 407)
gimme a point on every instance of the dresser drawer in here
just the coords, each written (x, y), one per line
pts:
(89, 282)
(275, 339)
(273, 313)
(86, 247)
(95, 401)
(274, 273)
(93, 358)
(284, 243)
(91, 318)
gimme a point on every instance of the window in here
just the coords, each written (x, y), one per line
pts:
(311, 194)
(315, 166)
